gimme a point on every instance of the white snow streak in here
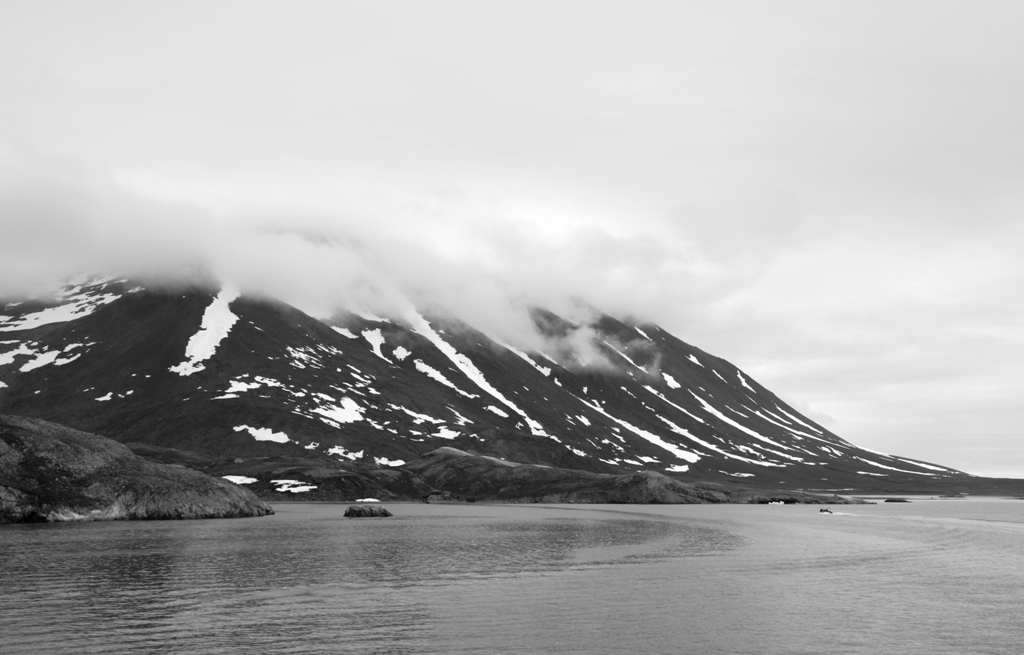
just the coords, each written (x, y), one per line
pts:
(624, 356)
(369, 316)
(711, 410)
(438, 376)
(464, 364)
(420, 418)
(671, 381)
(686, 433)
(217, 323)
(931, 468)
(662, 396)
(811, 427)
(544, 370)
(890, 468)
(644, 434)
(345, 332)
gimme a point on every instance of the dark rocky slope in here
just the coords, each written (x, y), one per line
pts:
(49, 472)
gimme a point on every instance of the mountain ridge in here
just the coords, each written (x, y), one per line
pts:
(225, 374)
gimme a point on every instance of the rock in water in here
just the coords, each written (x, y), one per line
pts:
(50, 472)
(362, 511)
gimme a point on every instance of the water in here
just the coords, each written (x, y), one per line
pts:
(928, 577)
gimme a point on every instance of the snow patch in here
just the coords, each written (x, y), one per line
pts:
(341, 452)
(671, 381)
(348, 411)
(8, 357)
(401, 353)
(263, 434)
(217, 323)
(239, 479)
(384, 461)
(376, 339)
(294, 486)
(78, 305)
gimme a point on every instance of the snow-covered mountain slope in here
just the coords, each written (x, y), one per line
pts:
(223, 374)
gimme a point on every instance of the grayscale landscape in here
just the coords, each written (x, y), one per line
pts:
(561, 327)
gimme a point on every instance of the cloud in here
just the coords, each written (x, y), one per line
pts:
(486, 265)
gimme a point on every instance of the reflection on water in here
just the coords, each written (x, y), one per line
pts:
(524, 579)
(306, 579)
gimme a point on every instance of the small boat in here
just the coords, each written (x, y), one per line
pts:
(825, 510)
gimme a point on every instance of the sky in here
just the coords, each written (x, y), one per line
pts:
(828, 195)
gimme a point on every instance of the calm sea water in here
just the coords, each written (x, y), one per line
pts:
(933, 576)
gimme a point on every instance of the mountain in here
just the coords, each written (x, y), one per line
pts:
(246, 382)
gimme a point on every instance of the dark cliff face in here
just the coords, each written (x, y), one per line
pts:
(50, 472)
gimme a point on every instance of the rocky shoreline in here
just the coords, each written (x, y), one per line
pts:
(51, 473)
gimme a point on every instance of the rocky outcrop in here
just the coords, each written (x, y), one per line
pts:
(49, 472)
(367, 511)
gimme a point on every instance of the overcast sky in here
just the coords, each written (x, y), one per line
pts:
(829, 195)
